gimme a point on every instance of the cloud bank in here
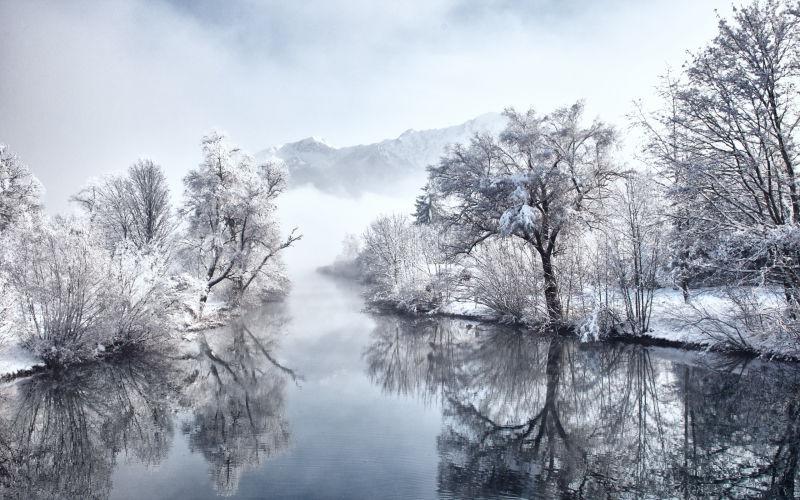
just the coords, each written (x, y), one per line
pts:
(87, 87)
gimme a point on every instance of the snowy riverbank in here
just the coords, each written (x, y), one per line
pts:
(15, 360)
(710, 320)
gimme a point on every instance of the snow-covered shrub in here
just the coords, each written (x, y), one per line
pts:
(505, 276)
(405, 264)
(76, 298)
(141, 297)
(740, 318)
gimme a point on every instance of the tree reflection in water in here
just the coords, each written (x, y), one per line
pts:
(61, 434)
(236, 390)
(527, 416)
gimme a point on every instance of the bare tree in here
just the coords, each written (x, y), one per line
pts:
(133, 208)
(148, 201)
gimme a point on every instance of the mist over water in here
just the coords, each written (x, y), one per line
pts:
(325, 219)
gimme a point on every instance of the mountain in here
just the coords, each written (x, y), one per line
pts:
(374, 167)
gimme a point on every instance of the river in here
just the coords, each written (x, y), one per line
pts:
(316, 398)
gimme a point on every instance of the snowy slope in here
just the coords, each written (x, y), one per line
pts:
(374, 167)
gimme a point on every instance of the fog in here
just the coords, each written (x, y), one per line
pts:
(325, 219)
(88, 87)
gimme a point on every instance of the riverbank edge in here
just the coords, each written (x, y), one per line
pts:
(571, 331)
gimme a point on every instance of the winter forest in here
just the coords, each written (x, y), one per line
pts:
(544, 302)
(549, 225)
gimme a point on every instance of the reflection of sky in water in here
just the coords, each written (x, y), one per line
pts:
(391, 407)
(348, 439)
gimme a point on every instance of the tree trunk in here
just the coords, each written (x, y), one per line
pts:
(792, 300)
(684, 284)
(203, 300)
(551, 298)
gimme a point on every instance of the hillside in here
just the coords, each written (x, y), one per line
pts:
(378, 166)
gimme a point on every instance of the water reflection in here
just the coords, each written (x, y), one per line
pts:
(521, 416)
(527, 416)
(63, 434)
(236, 392)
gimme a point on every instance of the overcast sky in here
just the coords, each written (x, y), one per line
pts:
(87, 87)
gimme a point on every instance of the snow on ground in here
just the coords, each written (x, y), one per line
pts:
(671, 314)
(713, 319)
(467, 309)
(676, 321)
(14, 358)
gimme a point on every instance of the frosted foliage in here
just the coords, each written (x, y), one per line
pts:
(232, 238)
(75, 297)
(405, 264)
(20, 191)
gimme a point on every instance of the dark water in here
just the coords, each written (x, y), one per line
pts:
(316, 399)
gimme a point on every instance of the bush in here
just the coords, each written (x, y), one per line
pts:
(405, 265)
(77, 299)
(505, 276)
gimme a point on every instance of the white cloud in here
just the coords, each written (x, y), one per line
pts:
(87, 87)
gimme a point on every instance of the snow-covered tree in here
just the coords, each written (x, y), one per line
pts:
(134, 207)
(20, 205)
(688, 241)
(405, 264)
(537, 182)
(425, 207)
(232, 235)
(635, 242)
(728, 138)
(20, 191)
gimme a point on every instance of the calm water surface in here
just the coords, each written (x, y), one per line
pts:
(317, 399)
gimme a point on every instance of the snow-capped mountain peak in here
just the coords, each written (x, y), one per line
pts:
(373, 167)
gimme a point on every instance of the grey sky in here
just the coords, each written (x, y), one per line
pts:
(87, 87)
